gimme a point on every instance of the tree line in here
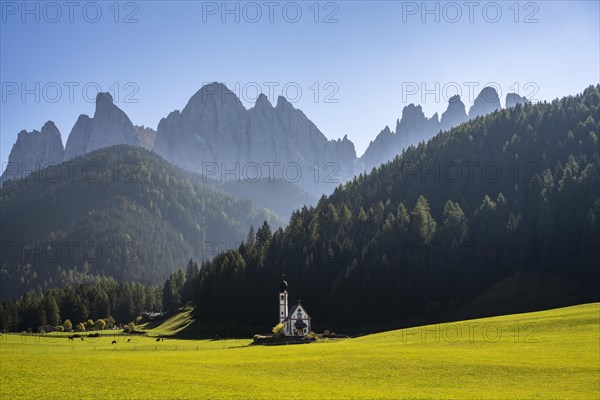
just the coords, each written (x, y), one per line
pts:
(91, 302)
(117, 303)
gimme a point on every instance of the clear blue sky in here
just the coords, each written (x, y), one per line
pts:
(373, 56)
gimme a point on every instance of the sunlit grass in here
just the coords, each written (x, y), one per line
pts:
(171, 326)
(547, 355)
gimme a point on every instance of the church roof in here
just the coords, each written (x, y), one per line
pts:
(293, 310)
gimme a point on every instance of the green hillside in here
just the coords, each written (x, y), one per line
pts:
(171, 326)
(552, 354)
(124, 210)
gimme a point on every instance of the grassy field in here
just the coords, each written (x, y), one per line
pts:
(544, 355)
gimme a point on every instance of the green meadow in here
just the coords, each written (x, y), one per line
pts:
(551, 354)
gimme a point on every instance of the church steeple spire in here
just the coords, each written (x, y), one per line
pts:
(283, 299)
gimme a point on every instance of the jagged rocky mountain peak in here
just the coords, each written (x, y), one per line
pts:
(486, 102)
(50, 128)
(214, 126)
(263, 101)
(33, 151)
(454, 115)
(109, 126)
(512, 99)
(104, 98)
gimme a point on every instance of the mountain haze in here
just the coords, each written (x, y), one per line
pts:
(133, 216)
(414, 127)
(217, 136)
(215, 128)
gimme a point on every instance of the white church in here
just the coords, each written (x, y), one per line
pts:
(295, 321)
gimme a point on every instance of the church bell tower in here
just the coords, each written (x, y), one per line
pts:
(283, 300)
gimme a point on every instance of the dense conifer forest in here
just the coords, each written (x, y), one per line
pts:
(514, 192)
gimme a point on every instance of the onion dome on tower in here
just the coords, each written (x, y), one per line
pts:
(283, 285)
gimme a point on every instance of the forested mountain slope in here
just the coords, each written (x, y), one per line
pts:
(509, 193)
(120, 211)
